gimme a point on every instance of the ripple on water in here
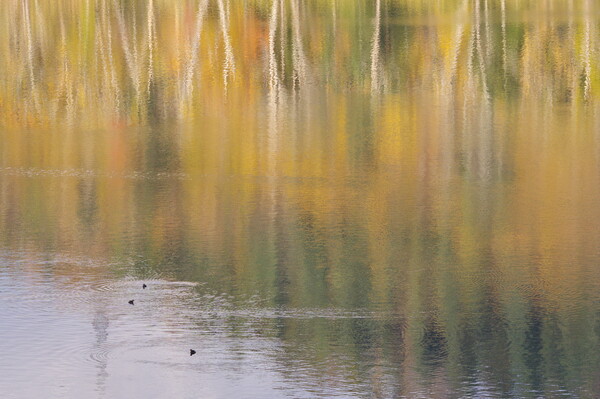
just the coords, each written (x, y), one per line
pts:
(80, 323)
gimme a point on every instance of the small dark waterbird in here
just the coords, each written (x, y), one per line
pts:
(131, 302)
(192, 352)
(144, 286)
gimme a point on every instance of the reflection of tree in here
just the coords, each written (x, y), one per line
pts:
(587, 51)
(121, 57)
(460, 217)
(446, 278)
(375, 59)
(101, 324)
(192, 59)
(229, 65)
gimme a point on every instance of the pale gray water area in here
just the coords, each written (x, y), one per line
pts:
(77, 336)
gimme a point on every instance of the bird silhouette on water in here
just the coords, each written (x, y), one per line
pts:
(131, 302)
(192, 352)
(144, 286)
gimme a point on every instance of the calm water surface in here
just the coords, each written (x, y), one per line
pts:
(357, 199)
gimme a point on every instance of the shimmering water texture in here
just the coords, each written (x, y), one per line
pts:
(325, 198)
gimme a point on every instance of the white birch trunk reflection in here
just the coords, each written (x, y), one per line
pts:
(192, 59)
(151, 37)
(120, 75)
(229, 66)
(587, 64)
(129, 50)
(29, 42)
(375, 79)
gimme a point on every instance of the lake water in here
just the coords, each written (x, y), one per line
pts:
(325, 198)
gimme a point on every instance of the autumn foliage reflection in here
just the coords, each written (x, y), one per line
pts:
(432, 164)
